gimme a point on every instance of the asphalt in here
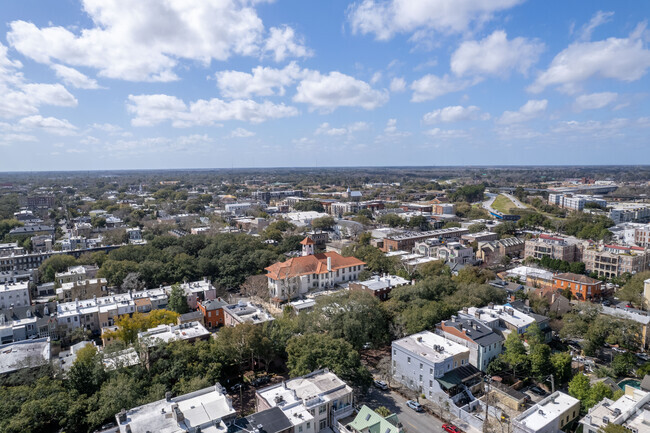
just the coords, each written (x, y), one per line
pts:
(413, 422)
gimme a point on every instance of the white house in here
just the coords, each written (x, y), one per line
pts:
(550, 415)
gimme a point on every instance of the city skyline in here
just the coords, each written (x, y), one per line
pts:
(114, 85)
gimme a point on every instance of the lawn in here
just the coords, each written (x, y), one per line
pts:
(503, 204)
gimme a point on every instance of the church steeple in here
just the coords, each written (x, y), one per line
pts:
(307, 246)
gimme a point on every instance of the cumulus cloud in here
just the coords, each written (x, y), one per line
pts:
(624, 59)
(262, 81)
(150, 110)
(22, 98)
(431, 86)
(530, 110)
(454, 113)
(144, 40)
(74, 78)
(385, 18)
(326, 129)
(328, 92)
(241, 133)
(594, 101)
(397, 85)
(496, 55)
(446, 133)
(51, 125)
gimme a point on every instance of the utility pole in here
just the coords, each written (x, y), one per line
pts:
(552, 378)
(488, 380)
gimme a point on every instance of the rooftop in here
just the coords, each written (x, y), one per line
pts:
(547, 410)
(311, 264)
(508, 314)
(379, 282)
(23, 354)
(430, 346)
(166, 333)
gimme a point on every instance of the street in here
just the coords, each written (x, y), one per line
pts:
(513, 199)
(412, 421)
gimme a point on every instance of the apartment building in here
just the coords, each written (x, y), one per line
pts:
(420, 359)
(14, 294)
(245, 312)
(313, 403)
(493, 251)
(85, 289)
(630, 212)
(28, 322)
(501, 318)
(582, 287)
(407, 241)
(299, 275)
(642, 236)
(209, 410)
(552, 246)
(632, 411)
(550, 415)
(613, 260)
(574, 202)
(483, 343)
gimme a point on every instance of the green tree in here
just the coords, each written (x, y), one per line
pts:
(477, 228)
(561, 364)
(534, 335)
(178, 300)
(515, 352)
(309, 205)
(623, 363)
(323, 223)
(579, 387)
(419, 222)
(540, 361)
(87, 372)
(383, 411)
(56, 263)
(613, 428)
(392, 220)
(309, 352)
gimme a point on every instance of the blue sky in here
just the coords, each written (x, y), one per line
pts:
(118, 84)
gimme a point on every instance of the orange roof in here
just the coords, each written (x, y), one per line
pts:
(142, 301)
(312, 264)
(307, 241)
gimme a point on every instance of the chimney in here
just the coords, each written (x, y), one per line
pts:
(329, 264)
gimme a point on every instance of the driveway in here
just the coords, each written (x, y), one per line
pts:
(412, 421)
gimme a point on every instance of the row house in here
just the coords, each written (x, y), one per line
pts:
(28, 322)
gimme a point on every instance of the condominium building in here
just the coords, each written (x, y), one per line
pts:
(613, 260)
(630, 212)
(574, 202)
(502, 318)
(420, 359)
(313, 403)
(552, 246)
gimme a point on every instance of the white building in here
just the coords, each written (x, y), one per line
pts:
(14, 294)
(549, 415)
(502, 318)
(190, 331)
(196, 291)
(483, 342)
(24, 354)
(419, 359)
(632, 411)
(238, 208)
(207, 410)
(313, 402)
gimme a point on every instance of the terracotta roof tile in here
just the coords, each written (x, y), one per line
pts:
(312, 264)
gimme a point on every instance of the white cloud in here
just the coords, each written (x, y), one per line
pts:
(194, 143)
(624, 59)
(391, 133)
(328, 92)
(151, 110)
(598, 19)
(283, 43)
(106, 127)
(18, 97)
(530, 110)
(496, 55)
(89, 140)
(594, 101)
(447, 133)
(241, 133)
(74, 78)
(49, 124)
(385, 18)
(144, 40)
(263, 81)
(431, 86)
(454, 113)
(326, 129)
(397, 85)
(11, 138)
(376, 77)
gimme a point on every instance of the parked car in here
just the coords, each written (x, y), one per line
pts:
(643, 356)
(537, 390)
(381, 385)
(607, 303)
(619, 349)
(260, 380)
(414, 405)
(450, 428)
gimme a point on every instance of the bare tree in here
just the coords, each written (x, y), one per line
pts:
(256, 286)
(133, 282)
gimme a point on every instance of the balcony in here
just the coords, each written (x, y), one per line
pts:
(342, 411)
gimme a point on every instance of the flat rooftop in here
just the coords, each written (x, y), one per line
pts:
(547, 410)
(430, 346)
(22, 354)
(503, 312)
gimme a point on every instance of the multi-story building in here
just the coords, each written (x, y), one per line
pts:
(341, 208)
(245, 312)
(550, 415)
(582, 287)
(299, 275)
(191, 331)
(642, 236)
(14, 294)
(493, 251)
(209, 410)
(407, 241)
(640, 317)
(632, 212)
(483, 343)
(420, 359)
(31, 321)
(379, 286)
(485, 236)
(552, 246)
(195, 292)
(76, 273)
(574, 202)
(500, 318)
(632, 411)
(212, 311)
(313, 403)
(85, 289)
(613, 260)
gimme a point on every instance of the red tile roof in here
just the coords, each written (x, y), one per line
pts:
(312, 264)
(307, 241)
(583, 279)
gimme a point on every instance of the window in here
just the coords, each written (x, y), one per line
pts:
(430, 383)
(408, 359)
(322, 409)
(431, 371)
(420, 378)
(308, 425)
(420, 366)
(300, 428)
(394, 352)
(323, 424)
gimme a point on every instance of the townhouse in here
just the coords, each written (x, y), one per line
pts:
(484, 343)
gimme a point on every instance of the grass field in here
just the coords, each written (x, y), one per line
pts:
(503, 204)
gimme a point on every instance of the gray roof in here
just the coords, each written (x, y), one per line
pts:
(271, 421)
(31, 229)
(477, 331)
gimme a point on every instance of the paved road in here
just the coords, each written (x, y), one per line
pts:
(513, 199)
(487, 204)
(412, 421)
